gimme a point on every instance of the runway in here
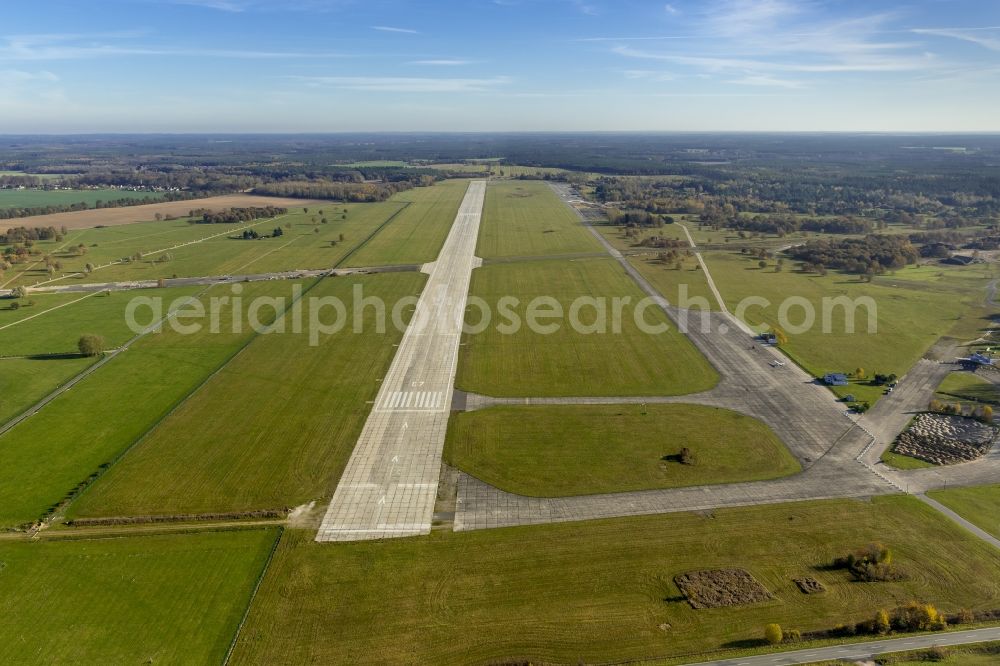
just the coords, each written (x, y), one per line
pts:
(389, 486)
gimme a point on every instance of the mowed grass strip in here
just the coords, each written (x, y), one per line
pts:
(567, 362)
(48, 454)
(25, 381)
(979, 505)
(273, 429)
(526, 218)
(599, 591)
(142, 600)
(907, 319)
(557, 450)
(416, 234)
(968, 386)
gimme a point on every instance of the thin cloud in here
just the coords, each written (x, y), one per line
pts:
(718, 64)
(404, 84)
(670, 9)
(972, 35)
(21, 76)
(221, 5)
(647, 75)
(389, 28)
(79, 47)
(238, 6)
(442, 62)
(767, 81)
(754, 39)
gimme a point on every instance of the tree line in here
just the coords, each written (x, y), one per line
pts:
(338, 191)
(870, 255)
(234, 215)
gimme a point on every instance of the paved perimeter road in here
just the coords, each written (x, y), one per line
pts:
(863, 650)
(390, 484)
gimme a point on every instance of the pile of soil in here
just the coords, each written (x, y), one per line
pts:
(718, 588)
(809, 585)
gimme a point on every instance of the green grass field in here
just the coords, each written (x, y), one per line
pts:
(33, 198)
(415, 235)
(526, 218)
(44, 457)
(970, 387)
(681, 286)
(55, 322)
(979, 505)
(25, 381)
(143, 600)
(899, 461)
(272, 429)
(599, 591)
(563, 450)
(566, 362)
(207, 249)
(909, 319)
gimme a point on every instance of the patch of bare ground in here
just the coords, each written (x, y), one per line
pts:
(110, 217)
(719, 588)
(808, 585)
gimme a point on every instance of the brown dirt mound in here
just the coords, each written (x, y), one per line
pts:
(809, 585)
(718, 588)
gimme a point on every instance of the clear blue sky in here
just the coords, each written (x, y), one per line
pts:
(347, 65)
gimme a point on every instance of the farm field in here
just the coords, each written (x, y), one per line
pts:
(25, 381)
(273, 429)
(581, 592)
(177, 248)
(416, 234)
(146, 599)
(38, 198)
(979, 505)
(47, 455)
(562, 450)
(83, 219)
(565, 362)
(55, 322)
(41, 176)
(909, 319)
(526, 218)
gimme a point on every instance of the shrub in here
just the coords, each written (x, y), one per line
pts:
(873, 563)
(882, 623)
(916, 616)
(773, 634)
(937, 653)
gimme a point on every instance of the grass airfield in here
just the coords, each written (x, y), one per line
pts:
(235, 423)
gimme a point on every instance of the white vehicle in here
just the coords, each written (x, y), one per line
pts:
(777, 364)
